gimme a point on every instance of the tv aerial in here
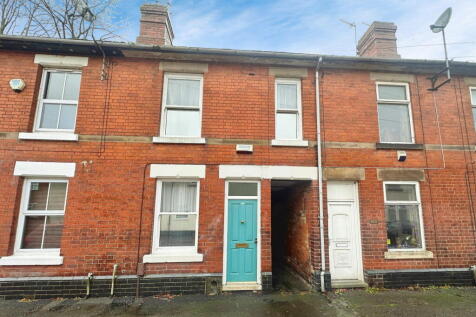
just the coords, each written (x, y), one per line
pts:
(354, 26)
(438, 27)
(167, 3)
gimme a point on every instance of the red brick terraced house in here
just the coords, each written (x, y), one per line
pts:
(146, 168)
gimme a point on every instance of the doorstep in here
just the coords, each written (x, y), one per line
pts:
(241, 286)
(348, 284)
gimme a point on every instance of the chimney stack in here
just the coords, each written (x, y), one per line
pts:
(155, 26)
(379, 41)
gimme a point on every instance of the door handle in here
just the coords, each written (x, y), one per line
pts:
(256, 240)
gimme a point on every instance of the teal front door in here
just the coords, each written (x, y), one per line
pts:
(242, 241)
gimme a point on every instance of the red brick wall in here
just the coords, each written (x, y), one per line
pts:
(104, 199)
(302, 216)
(102, 216)
(350, 115)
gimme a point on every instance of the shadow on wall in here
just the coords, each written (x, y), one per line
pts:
(290, 234)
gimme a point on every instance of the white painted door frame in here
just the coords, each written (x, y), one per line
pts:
(354, 201)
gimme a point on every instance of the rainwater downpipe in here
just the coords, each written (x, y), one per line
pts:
(319, 176)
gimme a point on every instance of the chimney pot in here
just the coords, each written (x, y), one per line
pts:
(379, 41)
(155, 26)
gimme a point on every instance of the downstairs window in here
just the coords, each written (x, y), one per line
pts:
(41, 216)
(403, 215)
(177, 215)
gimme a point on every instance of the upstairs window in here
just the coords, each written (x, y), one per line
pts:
(181, 106)
(288, 109)
(58, 101)
(473, 103)
(403, 215)
(40, 224)
(394, 113)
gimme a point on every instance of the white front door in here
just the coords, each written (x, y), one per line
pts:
(344, 232)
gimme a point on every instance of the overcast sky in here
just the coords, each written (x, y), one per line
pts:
(313, 26)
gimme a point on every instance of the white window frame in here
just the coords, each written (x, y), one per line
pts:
(397, 202)
(24, 212)
(165, 107)
(396, 102)
(473, 102)
(298, 111)
(42, 101)
(156, 248)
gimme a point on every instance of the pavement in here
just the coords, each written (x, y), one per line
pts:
(421, 302)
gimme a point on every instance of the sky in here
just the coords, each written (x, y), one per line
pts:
(313, 26)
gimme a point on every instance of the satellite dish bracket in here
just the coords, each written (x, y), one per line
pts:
(434, 79)
(439, 26)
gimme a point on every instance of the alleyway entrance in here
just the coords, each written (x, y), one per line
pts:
(290, 236)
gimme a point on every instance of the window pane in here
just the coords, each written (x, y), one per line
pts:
(403, 227)
(177, 230)
(287, 96)
(183, 92)
(49, 116)
(71, 88)
(392, 92)
(33, 232)
(286, 126)
(474, 116)
(57, 196)
(473, 96)
(67, 117)
(242, 189)
(394, 123)
(53, 232)
(38, 196)
(183, 123)
(54, 85)
(400, 192)
(179, 197)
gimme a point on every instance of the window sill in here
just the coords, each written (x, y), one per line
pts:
(185, 140)
(399, 146)
(399, 255)
(49, 136)
(31, 260)
(171, 258)
(296, 143)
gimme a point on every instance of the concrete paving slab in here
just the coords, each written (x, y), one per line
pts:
(417, 302)
(342, 303)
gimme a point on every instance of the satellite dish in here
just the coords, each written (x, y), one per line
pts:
(440, 26)
(442, 21)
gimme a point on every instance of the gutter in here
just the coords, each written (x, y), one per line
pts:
(319, 172)
(184, 53)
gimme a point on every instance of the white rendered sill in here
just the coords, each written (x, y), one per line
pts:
(31, 260)
(186, 140)
(50, 136)
(404, 254)
(297, 143)
(173, 258)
